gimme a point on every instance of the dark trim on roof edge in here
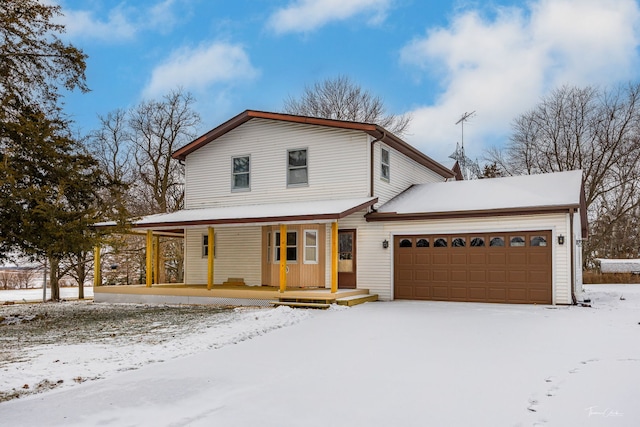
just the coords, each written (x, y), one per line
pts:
(371, 129)
(392, 216)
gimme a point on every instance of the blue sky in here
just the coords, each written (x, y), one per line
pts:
(433, 59)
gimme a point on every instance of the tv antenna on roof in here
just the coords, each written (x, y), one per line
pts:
(465, 117)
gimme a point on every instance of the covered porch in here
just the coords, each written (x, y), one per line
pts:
(253, 255)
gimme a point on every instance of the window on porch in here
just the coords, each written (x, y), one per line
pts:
(310, 246)
(205, 245)
(292, 246)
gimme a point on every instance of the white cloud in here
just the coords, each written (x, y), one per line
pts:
(83, 23)
(308, 15)
(121, 23)
(199, 68)
(501, 66)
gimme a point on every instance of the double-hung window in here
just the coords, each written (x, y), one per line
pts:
(205, 245)
(297, 168)
(240, 173)
(385, 164)
(292, 246)
(310, 246)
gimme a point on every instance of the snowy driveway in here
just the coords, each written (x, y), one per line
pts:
(386, 364)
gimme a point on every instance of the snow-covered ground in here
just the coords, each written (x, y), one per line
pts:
(399, 363)
(31, 295)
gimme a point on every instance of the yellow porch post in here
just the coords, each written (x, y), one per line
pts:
(97, 268)
(156, 259)
(283, 257)
(210, 257)
(334, 257)
(149, 258)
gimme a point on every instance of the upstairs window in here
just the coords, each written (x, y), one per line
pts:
(240, 175)
(385, 165)
(297, 170)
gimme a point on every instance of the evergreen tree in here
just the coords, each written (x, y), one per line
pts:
(48, 191)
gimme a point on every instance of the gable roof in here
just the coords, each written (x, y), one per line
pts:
(374, 130)
(524, 194)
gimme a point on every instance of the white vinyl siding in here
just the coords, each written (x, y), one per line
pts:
(406, 172)
(337, 164)
(238, 254)
(375, 264)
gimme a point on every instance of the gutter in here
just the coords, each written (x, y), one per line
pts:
(371, 165)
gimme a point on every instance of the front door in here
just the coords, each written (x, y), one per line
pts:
(347, 259)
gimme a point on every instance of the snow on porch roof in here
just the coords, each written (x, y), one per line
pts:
(274, 212)
(526, 192)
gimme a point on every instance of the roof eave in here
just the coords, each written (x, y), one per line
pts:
(393, 216)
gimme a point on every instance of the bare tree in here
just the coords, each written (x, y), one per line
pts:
(597, 131)
(8, 278)
(157, 129)
(341, 98)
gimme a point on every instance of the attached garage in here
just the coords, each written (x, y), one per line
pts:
(505, 267)
(509, 240)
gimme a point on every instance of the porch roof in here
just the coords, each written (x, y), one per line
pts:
(321, 210)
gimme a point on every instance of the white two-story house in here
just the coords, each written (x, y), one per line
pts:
(298, 202)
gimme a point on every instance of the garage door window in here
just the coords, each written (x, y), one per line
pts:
(516, 241)
(477, 242)
(440, 242)
(538, 241)
(422, 243)
(459, 242)
(406, 243)
(496, 241)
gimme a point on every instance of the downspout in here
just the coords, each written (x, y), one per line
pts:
(371, 165)
(573, 258)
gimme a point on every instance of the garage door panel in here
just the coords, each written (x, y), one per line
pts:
(512, 274)
(440, 258)
(458, 276)
(458, 293)
(477, 276)
(497, 276)
(440, 275)
(477, 258)
(458, 258)
(422, 275)
(497, 258)
(517, 276)
(517, 294)
(477, 294)
(496, 294)
(517, 257)
(423, 258)
(440, 292)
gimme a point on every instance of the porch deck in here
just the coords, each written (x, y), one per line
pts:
(238, 295)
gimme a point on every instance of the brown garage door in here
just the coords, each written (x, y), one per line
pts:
(509, 267)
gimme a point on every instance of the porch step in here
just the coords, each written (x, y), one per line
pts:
(356, 299)
(300, 304)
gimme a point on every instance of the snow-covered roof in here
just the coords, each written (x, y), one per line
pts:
(619, 265)
(559, 189)
(272, 212)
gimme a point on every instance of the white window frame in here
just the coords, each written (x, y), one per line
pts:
(305, 246)
(383, 164)
(276, 247)
(290, 168)
(205, 245)
(234, 173)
